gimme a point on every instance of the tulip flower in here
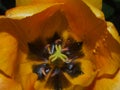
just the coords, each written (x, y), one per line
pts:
(58, 45)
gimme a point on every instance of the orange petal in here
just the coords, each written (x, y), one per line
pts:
(29, 81)
(93, 31)
(8, 84)
(79, 16)
(49, 21)
(107, 58)
(96, 11)
(106, 52)
(110, 83)
(83, 24)
(8, 50)
(28, 10)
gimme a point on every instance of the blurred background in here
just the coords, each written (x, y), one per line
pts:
(111, 9)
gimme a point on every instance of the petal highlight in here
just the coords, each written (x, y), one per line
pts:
(28, 10)
(96, 3)
(111, 28)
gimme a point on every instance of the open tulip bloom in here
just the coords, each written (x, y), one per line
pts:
(58, 45)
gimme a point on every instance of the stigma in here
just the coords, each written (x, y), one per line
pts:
(58, 54)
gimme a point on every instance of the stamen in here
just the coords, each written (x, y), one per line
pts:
(65, 49)
(57, 41)
(55, 72)
(69, 61)
(50, 50)
(43, 71)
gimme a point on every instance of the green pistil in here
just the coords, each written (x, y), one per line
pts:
(58, 54)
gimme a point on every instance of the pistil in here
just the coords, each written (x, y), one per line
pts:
(58, 54)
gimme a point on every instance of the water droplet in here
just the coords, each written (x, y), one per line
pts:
(94, 51)
(97, 45)
(104, 39)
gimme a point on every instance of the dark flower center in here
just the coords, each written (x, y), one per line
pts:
(59, 57)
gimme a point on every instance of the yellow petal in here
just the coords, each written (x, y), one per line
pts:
(88, 75)
(7, 83)
(26, 76)
(8, 51)
(29, 10)
(92, 4)
(107, 83)
(28, 81)
(111, 28)
(96, 11)
(95, 3)
(101, 48)
(22, 2)
(106, 59)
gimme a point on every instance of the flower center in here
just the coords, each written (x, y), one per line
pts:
(60, 57)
